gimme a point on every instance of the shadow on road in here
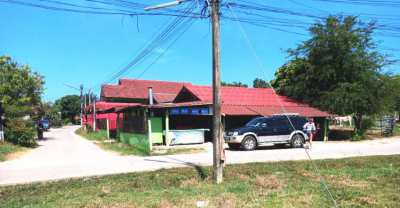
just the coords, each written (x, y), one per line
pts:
(273, 147)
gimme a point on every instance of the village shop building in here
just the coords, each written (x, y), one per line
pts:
(172, 113)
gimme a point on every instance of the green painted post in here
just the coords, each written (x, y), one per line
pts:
(166, 128)
(149, 134)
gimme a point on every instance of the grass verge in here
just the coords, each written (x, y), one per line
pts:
(175, 151)
(7, 150)
(396, 130)
(100, 138)
(354, 182)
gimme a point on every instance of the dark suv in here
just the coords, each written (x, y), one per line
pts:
(269, 130)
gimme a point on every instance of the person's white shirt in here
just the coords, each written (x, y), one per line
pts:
(309, 127)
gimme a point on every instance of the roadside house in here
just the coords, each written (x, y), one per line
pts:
(180, 113)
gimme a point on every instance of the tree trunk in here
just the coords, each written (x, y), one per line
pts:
(358, 124)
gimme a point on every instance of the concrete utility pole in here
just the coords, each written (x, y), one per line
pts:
(94, 113)
(218, 148)
(1, 123)
(81, 89)
(218, 143)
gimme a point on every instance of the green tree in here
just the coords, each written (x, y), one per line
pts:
(51, 112)
(20, 93)
(70, 107)
(337, 70)
(260, 83)
(395, 92)
(234, 84)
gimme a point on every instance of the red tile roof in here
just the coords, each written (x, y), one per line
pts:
(138, 89)
(254, 101)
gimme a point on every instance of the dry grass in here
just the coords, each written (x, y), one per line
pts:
(227, 201)
(354, 182)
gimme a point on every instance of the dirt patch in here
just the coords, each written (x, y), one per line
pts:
(343, 180)
(347, 181)
(18, 154)
(268, 182)
(235, 175)
(189, 182)
(227, 202)
(114, 205)
(367, 200)
(165, 204)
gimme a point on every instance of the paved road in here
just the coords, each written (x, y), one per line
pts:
(66, 155)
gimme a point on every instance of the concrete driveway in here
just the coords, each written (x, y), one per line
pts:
(66, 155)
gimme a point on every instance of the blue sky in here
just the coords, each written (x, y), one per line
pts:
(71, 48)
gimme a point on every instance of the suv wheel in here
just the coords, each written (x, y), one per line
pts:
(297, 141)
(249, 143)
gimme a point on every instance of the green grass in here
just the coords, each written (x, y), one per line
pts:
(175, 151)
(100, 135)
(100, 138)
(122, 149)
(7, 148)
(354, 182)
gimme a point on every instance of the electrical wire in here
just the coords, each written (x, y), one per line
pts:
(172, 29)
(261, 67)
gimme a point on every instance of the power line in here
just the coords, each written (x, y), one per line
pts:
(91, 10)
(172, 29)
(261, 66)
(164, 36)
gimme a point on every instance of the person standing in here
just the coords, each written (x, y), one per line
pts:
(310, 129)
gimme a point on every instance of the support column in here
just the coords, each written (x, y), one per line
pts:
(326, 129)
(167, 141)
(117, 128)
(108, 128)
(149, 134)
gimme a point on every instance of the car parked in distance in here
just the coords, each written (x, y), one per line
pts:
(45, 124)
(263, 131)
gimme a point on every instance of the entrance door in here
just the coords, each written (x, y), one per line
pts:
(156, 130)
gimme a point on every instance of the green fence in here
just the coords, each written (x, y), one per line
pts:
(140, 141)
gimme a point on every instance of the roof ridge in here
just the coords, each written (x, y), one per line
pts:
(146, 80)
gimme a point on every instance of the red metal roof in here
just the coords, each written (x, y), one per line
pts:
(102, 105)
(254, 101)
(138, 89)
(235, 100)
(237, 110)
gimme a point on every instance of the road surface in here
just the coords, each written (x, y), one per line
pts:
(66, 155)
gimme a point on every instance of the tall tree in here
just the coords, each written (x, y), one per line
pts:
(69, 106)
(234, 84)
(20, 93)
(338, 69)
(260, 83)
(395, 92)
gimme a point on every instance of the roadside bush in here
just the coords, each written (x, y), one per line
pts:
(357, 137)
(367, 123)
(20, 132)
